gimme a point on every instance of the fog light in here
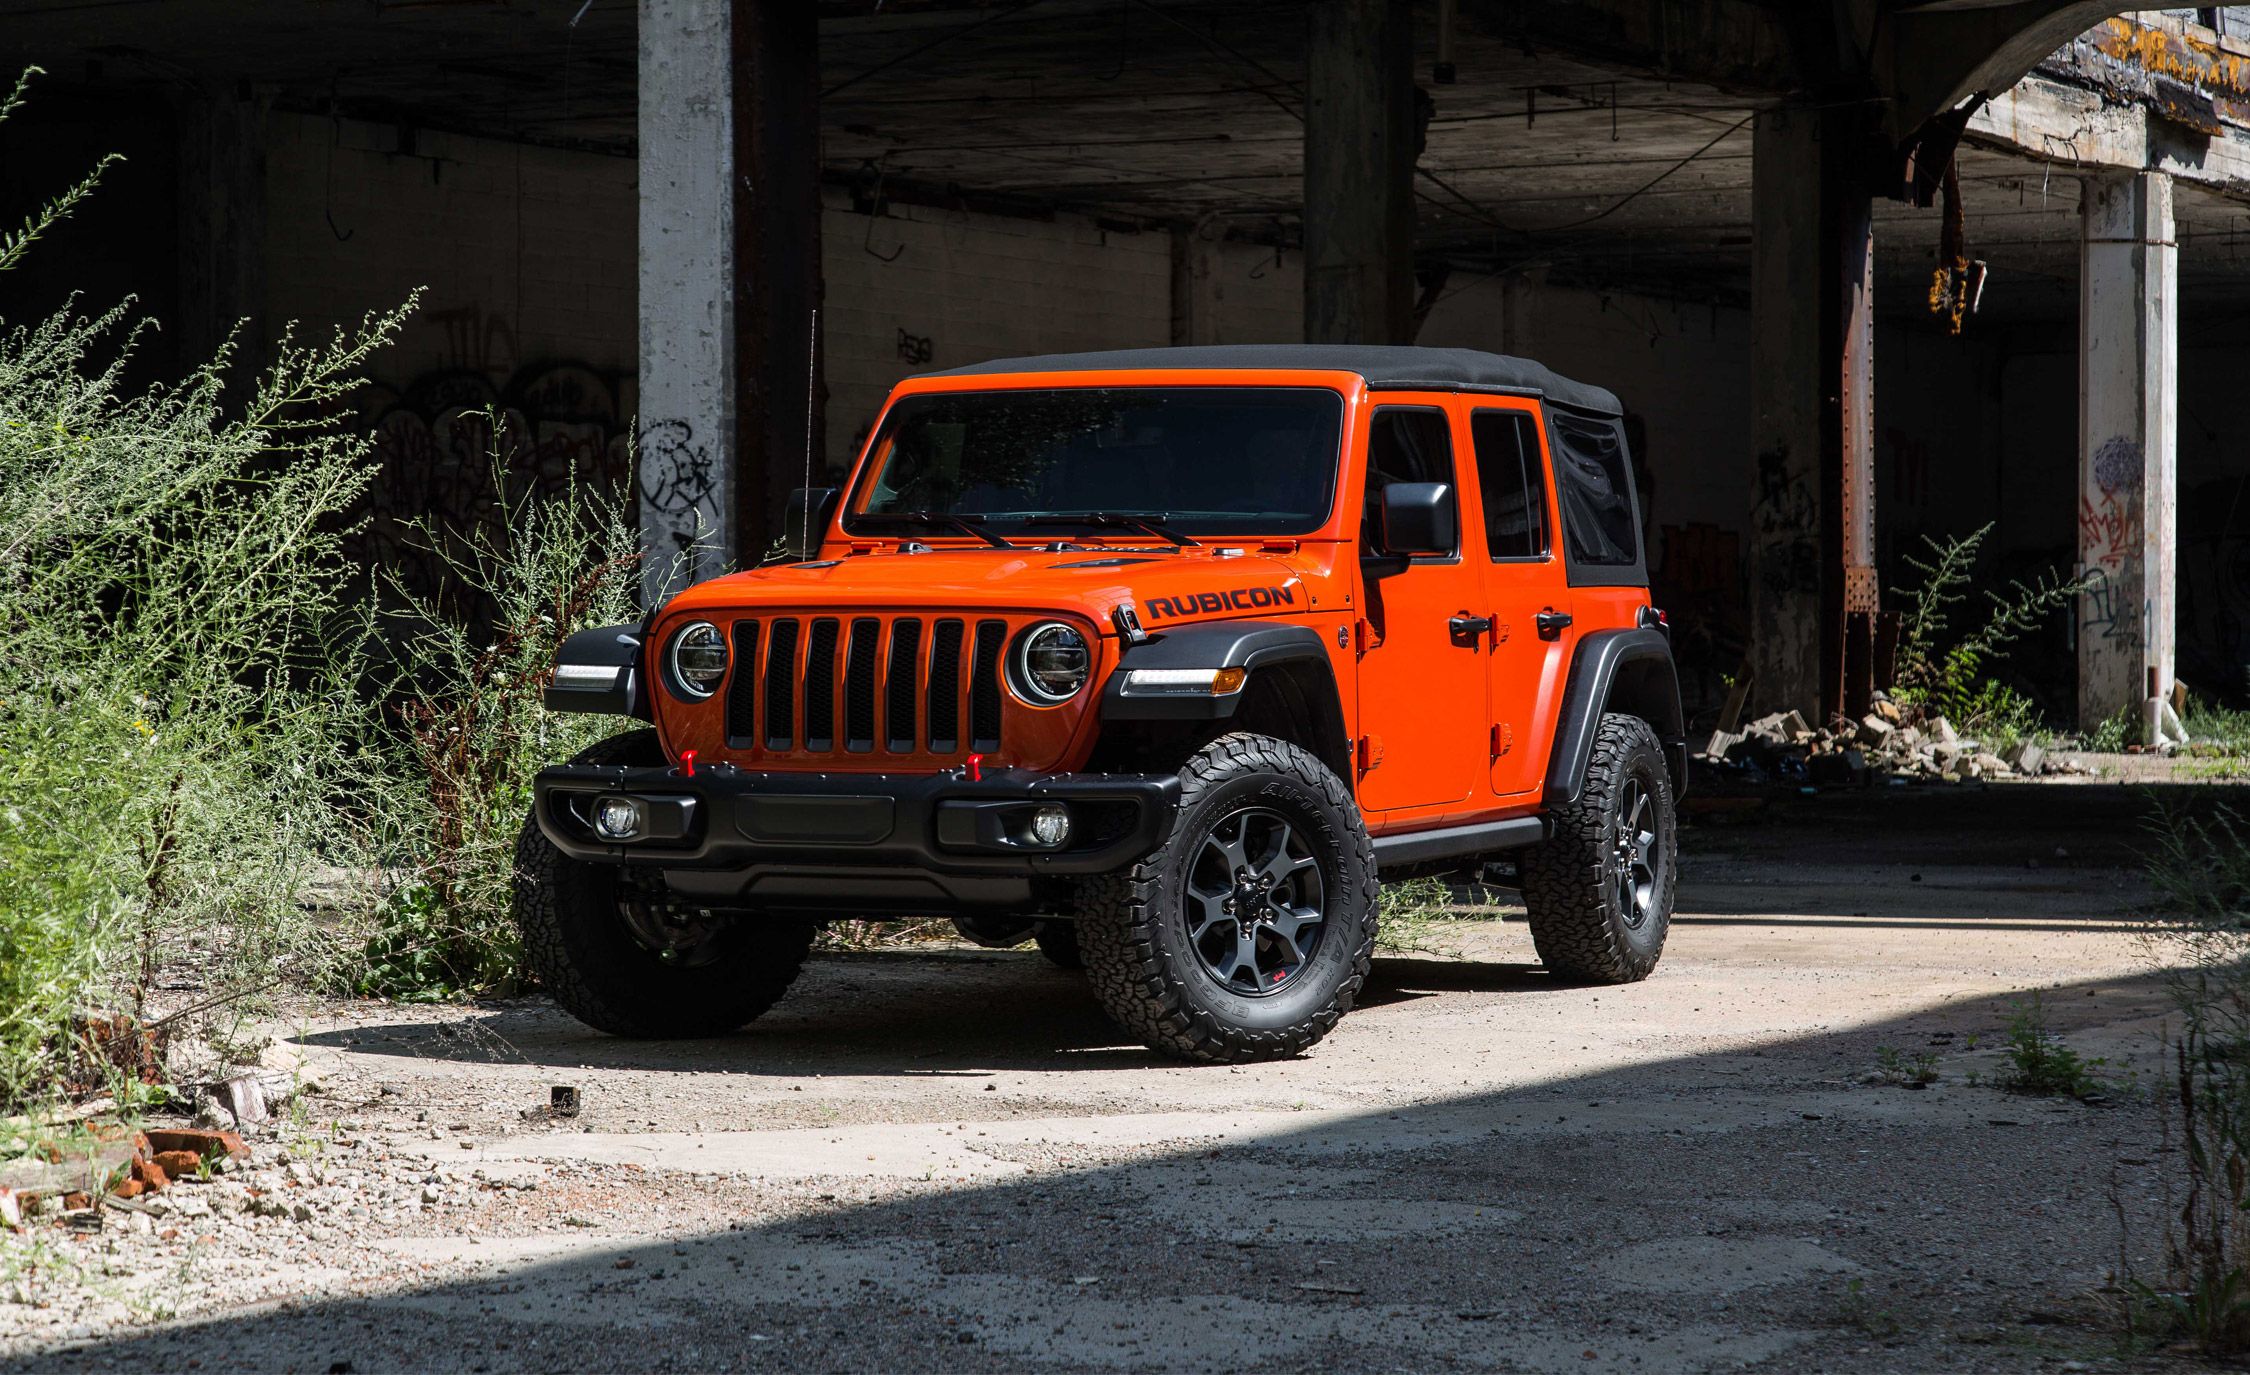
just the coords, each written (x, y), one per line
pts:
(619, 818)
(1050, 826)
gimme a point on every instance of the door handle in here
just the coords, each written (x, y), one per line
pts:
(1464, 626)
(1552, 624)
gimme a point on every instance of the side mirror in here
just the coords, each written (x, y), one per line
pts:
(806, 521)
(1420, 518)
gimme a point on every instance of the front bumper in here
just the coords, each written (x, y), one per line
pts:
(876, 844)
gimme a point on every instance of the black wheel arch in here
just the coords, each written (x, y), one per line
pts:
(1627, 671)
(620, 649)
(1290, 694)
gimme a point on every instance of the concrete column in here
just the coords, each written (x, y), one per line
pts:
(2128, 313)
(1359, 173)
(1197, 289)
(1813, 587)
(687, 340)
(779, 400)
(222, 228)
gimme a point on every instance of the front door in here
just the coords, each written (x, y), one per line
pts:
(1422, 678)
(1525, 581)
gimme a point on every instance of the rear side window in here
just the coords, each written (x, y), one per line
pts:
(1403, 445)
(1514, 480)
(1594, 482)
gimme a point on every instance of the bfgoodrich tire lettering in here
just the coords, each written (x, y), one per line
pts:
(1134, 927)
(583, 952)
(1599, 891)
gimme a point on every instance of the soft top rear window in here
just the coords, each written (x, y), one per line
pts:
(1593, 477)
(1203, 460)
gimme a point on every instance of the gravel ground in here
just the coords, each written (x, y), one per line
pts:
(943, 1159)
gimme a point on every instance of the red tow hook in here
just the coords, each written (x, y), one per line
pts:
(974, 768)
(687, 764)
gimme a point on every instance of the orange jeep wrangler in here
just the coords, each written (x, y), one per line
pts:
(1157, 657)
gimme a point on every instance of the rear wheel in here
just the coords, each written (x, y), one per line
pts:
(1599, 890)
(617, 950)
(1247, 933)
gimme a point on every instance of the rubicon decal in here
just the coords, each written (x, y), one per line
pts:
(1206, 603)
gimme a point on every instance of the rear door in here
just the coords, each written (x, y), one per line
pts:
(1530, 596)
(1421, 683)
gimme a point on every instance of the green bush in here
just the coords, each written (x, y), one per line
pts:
(1952, 682)
(175, 715)
(473, 728)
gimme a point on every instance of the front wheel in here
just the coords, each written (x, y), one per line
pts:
(1247, 933)
(1599, 890)
(612, 945)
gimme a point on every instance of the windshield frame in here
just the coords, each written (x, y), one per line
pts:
(851, 514)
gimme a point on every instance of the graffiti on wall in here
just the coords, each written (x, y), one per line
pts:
(1785, 526)
(560, 427)
(2109, 516)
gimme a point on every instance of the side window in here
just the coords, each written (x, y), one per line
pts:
(1404, 444)
(1596, 489)
(1514, 479)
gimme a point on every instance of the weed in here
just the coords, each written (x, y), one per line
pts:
(2217, 730)
(2201, 866)
(1909, 1069)
(1408, 916)
(175, 707)
(476, 726)
(1952, 683)
(2038, 1061)
(1857, 1310)
(880, 935)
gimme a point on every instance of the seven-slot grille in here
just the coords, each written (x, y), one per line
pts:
(902, 684)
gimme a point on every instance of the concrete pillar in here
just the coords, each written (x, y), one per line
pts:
(730, 415)
(2128, 326)
(779, 399)
(1359, 173)
(1197, 287)
(222, 228)
(1813, 588)
(686, 424)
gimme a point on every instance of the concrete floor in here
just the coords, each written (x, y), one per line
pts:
(946, 1160)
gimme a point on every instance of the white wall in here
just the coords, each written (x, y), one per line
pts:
(528, 253)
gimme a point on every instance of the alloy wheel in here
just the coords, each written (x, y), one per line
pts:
(1256, 902)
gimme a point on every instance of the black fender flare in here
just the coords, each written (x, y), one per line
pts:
(602, 670)
(1210, 644)
(1616, 670)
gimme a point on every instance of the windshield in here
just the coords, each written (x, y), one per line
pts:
(1199, 460)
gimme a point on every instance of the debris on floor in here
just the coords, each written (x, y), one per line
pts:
(1891, 741)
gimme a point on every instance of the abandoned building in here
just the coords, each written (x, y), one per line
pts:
(1862, 273)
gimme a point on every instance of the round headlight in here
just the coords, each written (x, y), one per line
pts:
(698, 659)
(1051, 663)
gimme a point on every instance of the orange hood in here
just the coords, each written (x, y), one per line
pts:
(1197, 583)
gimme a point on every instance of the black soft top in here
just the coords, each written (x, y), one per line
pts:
(1380, 366)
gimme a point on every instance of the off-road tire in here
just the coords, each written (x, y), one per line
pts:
(1133, 933)
(583, 955)
(1058, 941)
(1579, 925)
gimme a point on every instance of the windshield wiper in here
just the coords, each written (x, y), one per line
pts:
(1151, 524)
(940, 520)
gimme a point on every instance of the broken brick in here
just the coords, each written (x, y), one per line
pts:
(76, 1202)
(178, 1164)
(131, 1188)
(152, 1176)
(203, 1143)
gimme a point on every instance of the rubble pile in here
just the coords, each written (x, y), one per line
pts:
(114, 1167)
(1892, 741)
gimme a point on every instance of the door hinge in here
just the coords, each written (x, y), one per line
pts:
(1370, 753)
(1503, 739)
(1364, 636)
